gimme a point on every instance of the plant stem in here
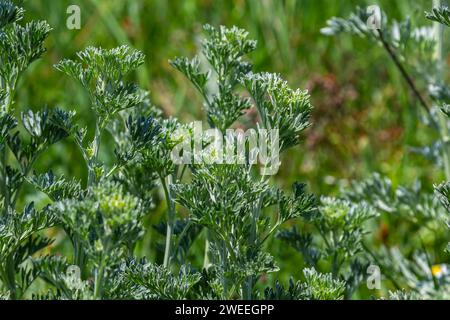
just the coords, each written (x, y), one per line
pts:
(15, 194)
(335, 265)
(11, 91)
(94, 157)
(248, 284)
(98, 286)
(224, 258)
(4, 187)
(11, 277)
(404, 73)
(170, 218)
(78, 256)
(206, 255)
(180, 237)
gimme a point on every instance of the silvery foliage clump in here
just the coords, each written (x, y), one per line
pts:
(440, 14)
(415, 51)
(231, 207)
(20, 45)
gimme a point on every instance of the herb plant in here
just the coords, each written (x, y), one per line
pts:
(229, 214)
(237, 209)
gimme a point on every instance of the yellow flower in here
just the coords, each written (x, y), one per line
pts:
(438, 270)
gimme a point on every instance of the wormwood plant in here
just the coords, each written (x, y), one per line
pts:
(231, 211)
(20, 45)
(233, 206)
(417, 51)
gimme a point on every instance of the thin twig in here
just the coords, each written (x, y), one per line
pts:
(404, 73)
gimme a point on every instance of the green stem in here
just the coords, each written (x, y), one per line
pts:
(4, 187)
(11, 278)
(271, 231)
(248, 284)
(10, 270)
(100, 274)
(94, 157)
(11, 91)
(113, 169)
(224, 258)
(98, 286)
(78, 256)
(170, 218)
(335, 265)
(206, 261)
(25, 172)
(180, 238)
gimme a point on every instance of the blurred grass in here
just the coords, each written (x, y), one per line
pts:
(364, 120)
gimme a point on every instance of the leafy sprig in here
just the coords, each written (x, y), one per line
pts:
(440, 14)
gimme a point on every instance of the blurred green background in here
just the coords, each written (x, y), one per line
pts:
(365, 118)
